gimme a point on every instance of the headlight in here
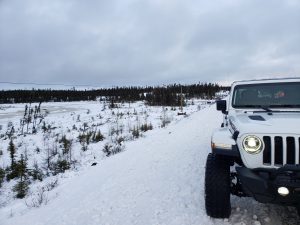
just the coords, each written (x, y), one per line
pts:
(252, 144)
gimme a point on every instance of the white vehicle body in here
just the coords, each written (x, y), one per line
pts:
(281, 122)
(255, 153)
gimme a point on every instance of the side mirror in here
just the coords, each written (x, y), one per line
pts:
(221, 106)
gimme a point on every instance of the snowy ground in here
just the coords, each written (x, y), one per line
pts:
(158, 179)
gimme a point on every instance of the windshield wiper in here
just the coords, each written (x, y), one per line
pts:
(270, 111)
(263, 107)
(266, 108)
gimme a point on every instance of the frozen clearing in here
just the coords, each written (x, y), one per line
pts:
(17, 110)
(157, 180)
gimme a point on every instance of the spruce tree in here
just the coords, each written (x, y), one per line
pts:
(21, 188)
(2, 175)
(12, 151)
(98, 137)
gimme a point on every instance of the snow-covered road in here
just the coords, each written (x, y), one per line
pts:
(157, 180)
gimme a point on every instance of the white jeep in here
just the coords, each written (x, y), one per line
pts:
(255, 153)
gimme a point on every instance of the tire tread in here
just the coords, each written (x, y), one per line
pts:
(217, 187)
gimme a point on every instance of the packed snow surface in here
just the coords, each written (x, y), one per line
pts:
(159, 179)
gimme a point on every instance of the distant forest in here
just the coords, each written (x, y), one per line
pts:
(165, 95)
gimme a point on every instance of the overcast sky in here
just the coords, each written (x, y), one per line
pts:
(147, 42)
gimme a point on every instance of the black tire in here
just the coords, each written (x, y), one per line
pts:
(298, 210)
(217, 187)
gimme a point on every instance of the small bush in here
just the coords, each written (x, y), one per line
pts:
(98, 137)
(120, 140)
(112, 149)
(10, 174)
(74, 127)
(51, 185)
(21, 188)
(135, 132)
(37, 150)
(66, 144)
(60, 166)
(117, 148)
(36, 173)
(145, 127)
(107, 149)
(2, 176)
(38, 198)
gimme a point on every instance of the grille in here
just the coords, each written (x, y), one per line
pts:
(281, 150)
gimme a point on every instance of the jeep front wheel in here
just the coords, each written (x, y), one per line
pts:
(217, 187)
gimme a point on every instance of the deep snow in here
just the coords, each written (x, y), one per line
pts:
(159, 179)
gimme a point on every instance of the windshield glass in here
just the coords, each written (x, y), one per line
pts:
(272, 95)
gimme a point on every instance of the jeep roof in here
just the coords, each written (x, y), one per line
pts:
(269, 80)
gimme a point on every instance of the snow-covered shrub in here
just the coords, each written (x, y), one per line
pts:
(165, 118)
(117, 148)
(36, 173)
(40, 197)
(10, 130)
(37, 150)
(66, 144)
(119, 140)
(85, 139)
(2, 176)
(60, 166)
(97, 136)
(112, 149)
(135, 132)
(107, 149)
(51, 185)
(37, 199)
(145, 127)
(21, 188)
(44, 127)
(85, 126)
(74, 127)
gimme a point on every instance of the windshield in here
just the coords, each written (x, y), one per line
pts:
(271, 95)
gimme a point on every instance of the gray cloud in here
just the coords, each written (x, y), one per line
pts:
(134, 42)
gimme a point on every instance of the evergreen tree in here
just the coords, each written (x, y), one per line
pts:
(21, 188)
(12, 151)
(60, 166)
(167, 95)
(98, 137)
(2, 176)
(66, 144)
(36, 173)
(135, 132)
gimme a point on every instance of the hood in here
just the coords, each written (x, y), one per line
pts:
(264, 123)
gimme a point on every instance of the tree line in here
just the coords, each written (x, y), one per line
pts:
(159, 95)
